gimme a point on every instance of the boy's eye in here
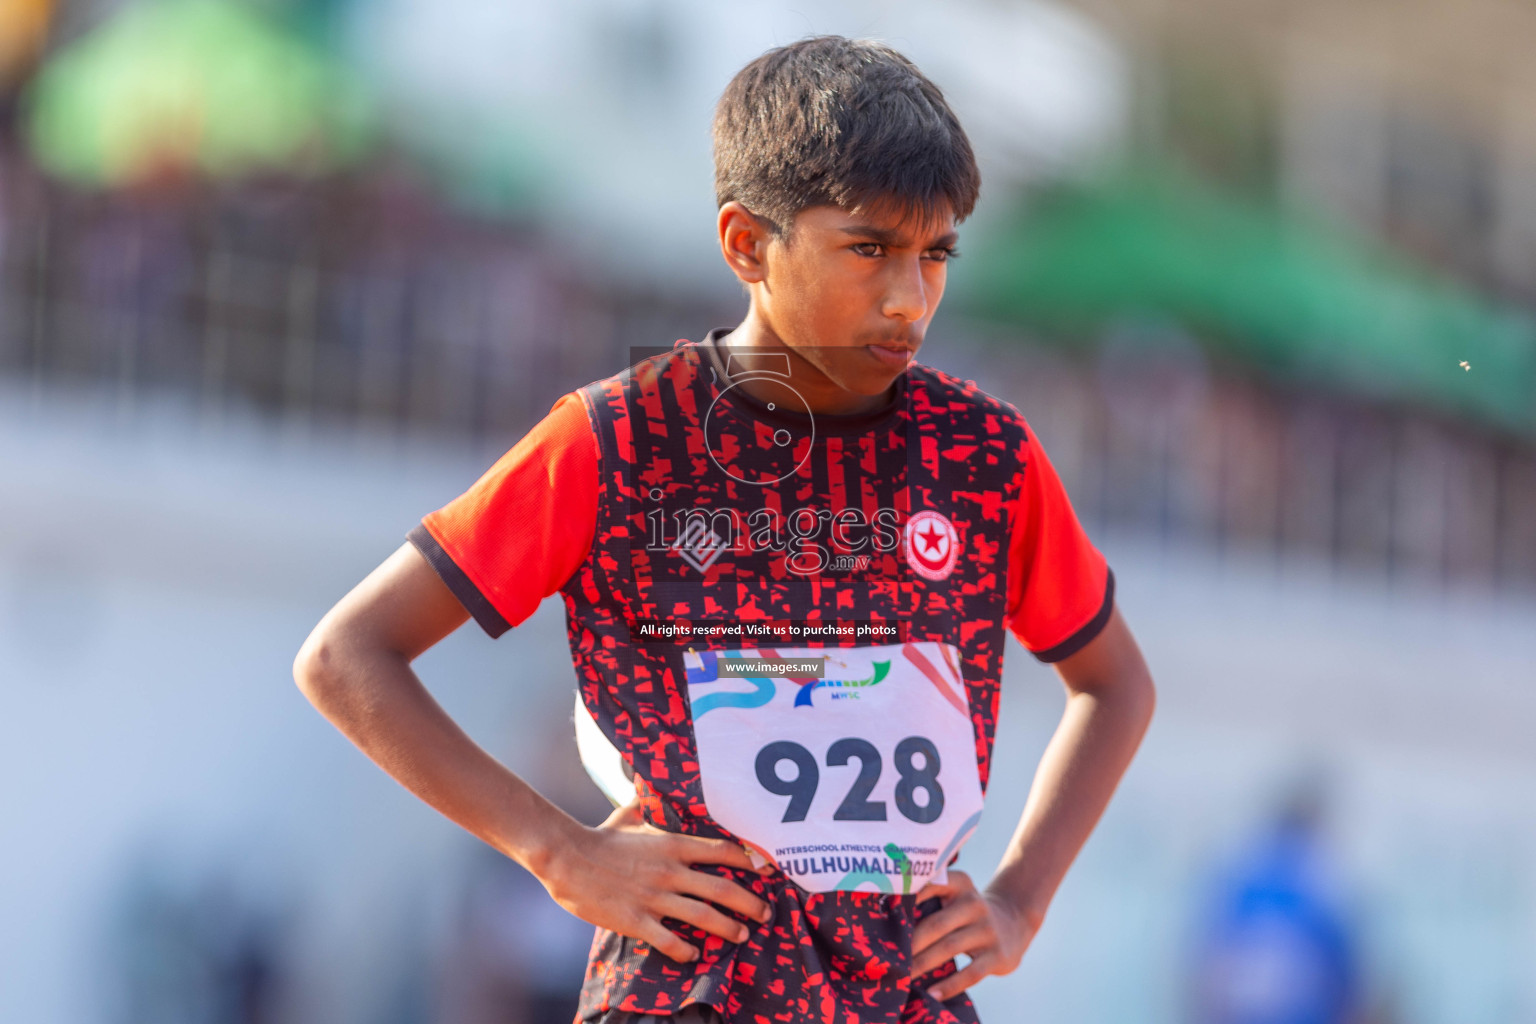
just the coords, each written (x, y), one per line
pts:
(941, 255)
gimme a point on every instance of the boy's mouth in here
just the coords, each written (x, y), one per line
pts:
(891, 355)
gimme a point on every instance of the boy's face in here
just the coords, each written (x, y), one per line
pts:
(850, 293)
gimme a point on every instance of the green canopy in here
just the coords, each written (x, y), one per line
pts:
(191, 85)
(1297, 298)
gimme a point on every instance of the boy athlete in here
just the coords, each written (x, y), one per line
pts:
(788, 554)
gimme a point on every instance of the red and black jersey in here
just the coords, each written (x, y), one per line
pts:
(668, 493)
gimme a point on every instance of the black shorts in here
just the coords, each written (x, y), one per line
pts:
(698, 1013)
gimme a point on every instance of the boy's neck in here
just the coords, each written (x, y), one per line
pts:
(821, 394)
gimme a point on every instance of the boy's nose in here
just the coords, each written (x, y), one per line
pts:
(907, 296)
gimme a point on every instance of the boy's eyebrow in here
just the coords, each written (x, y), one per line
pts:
(887, 236)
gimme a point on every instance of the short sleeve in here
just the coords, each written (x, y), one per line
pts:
(1060, 590)
(524, 528)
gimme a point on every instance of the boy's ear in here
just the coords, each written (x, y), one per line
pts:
(744, 239)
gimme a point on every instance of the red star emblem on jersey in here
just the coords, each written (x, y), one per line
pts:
(931, 544)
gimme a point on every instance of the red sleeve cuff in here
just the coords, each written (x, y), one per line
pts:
(469, 595)
(1090, 629)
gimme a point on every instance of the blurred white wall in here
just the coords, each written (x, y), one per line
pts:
(154, 588)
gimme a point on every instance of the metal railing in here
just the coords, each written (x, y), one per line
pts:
(343, 301)
(1193, 455)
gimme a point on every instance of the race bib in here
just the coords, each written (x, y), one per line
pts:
(854, 769)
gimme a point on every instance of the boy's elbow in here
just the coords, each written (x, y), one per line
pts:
(1139, 694)
(1148, 695)
(1128, 685)
(1133, 679)
(316, 668)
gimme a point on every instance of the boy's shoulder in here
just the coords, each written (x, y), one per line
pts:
(962, 395)
(647, 365)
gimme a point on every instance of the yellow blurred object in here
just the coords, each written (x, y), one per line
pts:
(23, 27)
(192, 87)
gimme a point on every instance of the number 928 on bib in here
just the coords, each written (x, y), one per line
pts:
(849, 768)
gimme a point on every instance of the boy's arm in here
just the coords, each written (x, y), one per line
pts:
(625, 876)
(1110, 697)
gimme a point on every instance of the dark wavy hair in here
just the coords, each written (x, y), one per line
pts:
(847, 122)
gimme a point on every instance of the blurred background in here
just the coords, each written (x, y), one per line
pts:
(277, 278)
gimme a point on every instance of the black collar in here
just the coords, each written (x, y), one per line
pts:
(825, 423)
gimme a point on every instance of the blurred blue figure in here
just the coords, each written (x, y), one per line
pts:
(193, 949)
(1278, 947)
